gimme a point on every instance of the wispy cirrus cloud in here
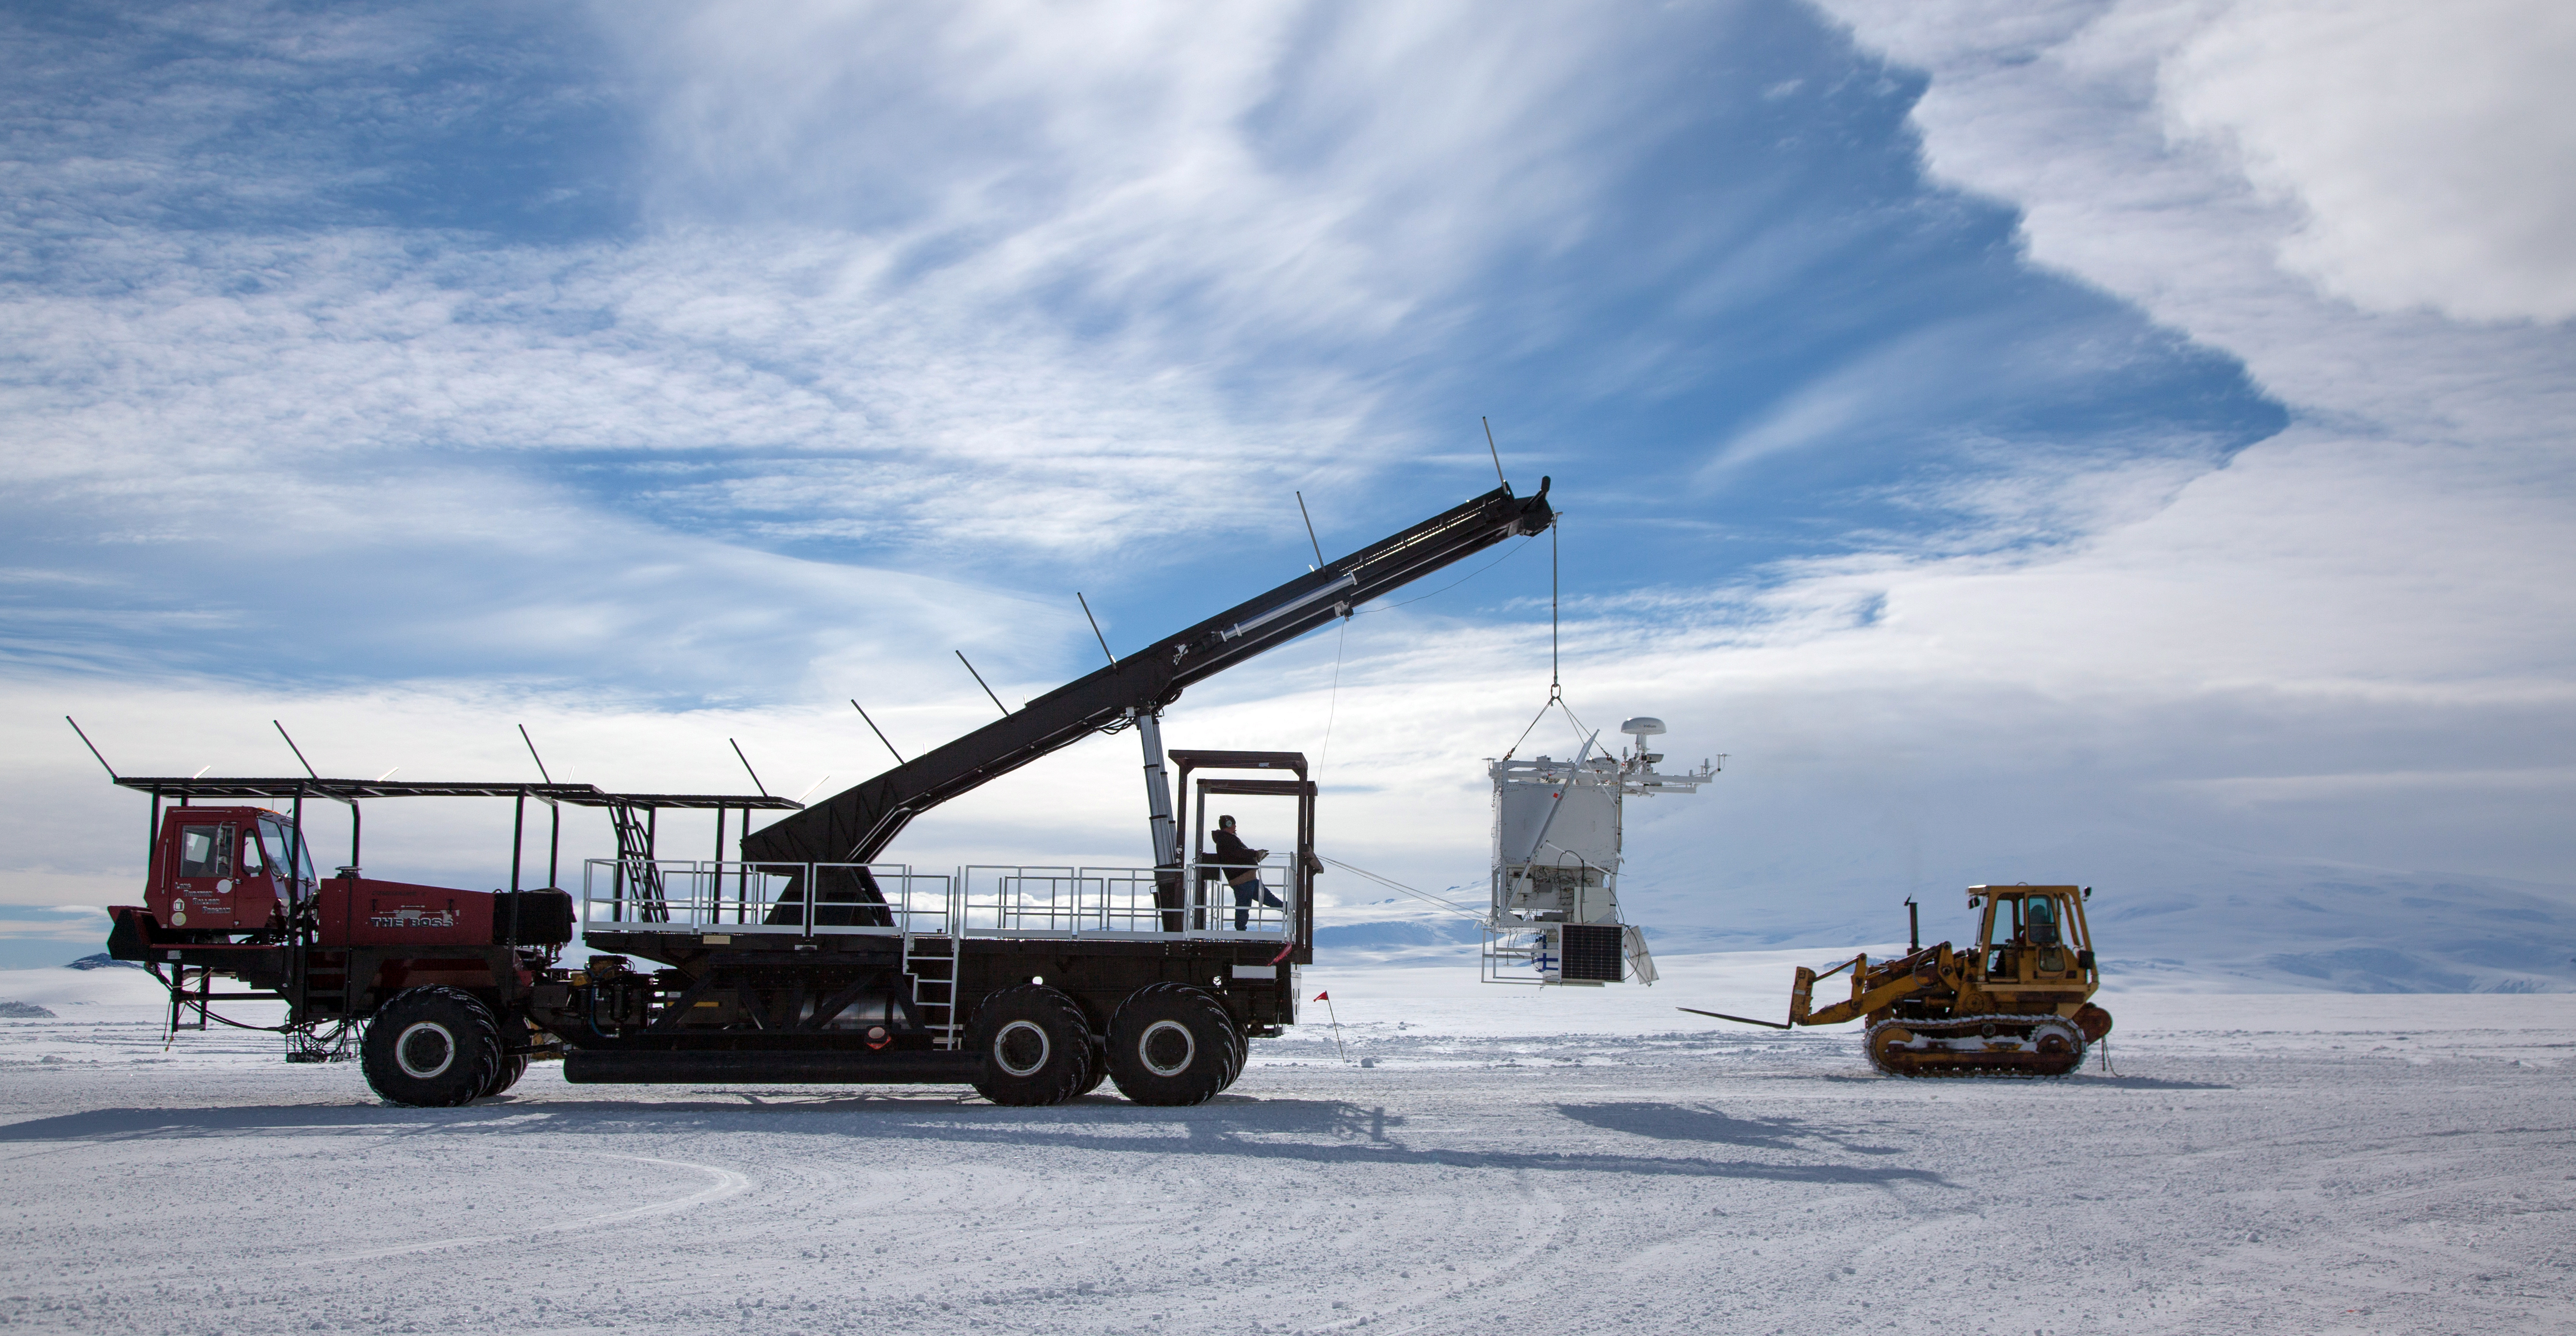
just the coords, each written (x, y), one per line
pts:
(455, 291)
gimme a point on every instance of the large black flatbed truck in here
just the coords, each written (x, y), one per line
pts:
(807, 958)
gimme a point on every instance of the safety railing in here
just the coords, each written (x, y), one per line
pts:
(1074, 902)
(800, 899)
(1244, 911)
(805, 899)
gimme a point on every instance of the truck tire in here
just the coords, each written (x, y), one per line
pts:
(507, 1074)
(1239, 1046)
(1237, 1051)
(1099, 1067)
(1036, 1046)
(516, 1033)
(431, 1048)
(1171, 1044)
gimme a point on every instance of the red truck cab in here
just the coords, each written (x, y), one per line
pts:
(227, 869)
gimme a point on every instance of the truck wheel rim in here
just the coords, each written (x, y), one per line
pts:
(424, 1049)
(1021, 1048)
(1167, 1048)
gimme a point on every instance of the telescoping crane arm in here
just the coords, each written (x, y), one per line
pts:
(854, 825)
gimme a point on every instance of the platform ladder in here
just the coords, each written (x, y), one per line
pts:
(931, 962)
(639, 881)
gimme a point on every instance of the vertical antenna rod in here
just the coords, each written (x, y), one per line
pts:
(93, 747)
(979, 681)
(1310, 531)
(1095, 630)
(881, 737)
(299, 751)
(746, 768)
(532, 755)
(1491, 449)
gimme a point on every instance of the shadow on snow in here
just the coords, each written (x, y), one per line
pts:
(1241, 1127)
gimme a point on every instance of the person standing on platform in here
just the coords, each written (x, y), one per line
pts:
(1242, 868)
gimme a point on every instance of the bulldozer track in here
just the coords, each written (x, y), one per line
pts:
(2022, 1063)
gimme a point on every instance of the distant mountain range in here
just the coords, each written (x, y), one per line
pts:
(2176, 915)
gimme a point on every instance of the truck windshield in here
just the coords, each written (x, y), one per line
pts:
(285, 851)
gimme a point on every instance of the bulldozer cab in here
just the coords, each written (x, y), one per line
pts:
(2033, 934)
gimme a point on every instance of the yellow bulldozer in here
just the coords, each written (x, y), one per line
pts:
(2021, 1004)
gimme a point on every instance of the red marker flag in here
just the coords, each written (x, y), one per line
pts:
(1327, 1000)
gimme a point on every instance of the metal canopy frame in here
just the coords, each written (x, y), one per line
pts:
(635, 839)
(349, 790)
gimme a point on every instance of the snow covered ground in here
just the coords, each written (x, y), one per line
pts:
(1567, 1161)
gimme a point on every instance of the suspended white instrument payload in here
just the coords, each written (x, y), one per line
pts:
(1555, 914)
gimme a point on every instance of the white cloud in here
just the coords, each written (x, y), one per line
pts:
(2430, 148)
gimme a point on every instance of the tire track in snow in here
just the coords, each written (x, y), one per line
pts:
(1537, 1234)
(727, 1183)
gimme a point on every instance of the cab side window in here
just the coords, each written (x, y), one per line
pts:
(252, 863)
(205, 851)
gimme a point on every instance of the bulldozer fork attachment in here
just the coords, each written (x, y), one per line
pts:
(1865, 1003)
(1746, 1020)
(1919, 972)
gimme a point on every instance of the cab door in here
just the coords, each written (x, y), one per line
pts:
(198, 892)
(2001, 941)
(2051, 958)
(2064, 947)
(257, 877)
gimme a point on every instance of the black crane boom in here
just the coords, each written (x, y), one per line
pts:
(854, 825)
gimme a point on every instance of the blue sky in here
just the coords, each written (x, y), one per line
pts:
(1721, 300)
(2021, 389)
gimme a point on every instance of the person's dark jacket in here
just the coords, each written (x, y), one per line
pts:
(1232, 855)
